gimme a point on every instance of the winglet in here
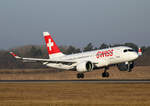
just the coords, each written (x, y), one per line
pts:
(139, 52)
(14, 55)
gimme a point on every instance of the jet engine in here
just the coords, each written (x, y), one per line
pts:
(125, 66)
(85, 66)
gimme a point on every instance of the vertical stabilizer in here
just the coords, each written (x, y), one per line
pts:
(139, 52)
(52, 48)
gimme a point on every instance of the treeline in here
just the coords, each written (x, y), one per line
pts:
(34, 51)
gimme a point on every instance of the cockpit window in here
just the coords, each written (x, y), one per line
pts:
(125, 50)
(128, 50)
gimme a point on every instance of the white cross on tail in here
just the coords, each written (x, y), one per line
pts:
(50, 44)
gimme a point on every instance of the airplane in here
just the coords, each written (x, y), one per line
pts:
(122, 56)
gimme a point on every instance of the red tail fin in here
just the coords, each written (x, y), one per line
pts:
(140, 52)
(52, 48)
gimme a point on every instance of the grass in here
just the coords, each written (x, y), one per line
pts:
(140, 72)
(74, 94)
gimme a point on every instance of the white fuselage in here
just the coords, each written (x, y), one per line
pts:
(100, 58)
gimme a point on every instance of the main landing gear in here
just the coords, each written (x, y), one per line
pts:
(80, 75)
(105, 73)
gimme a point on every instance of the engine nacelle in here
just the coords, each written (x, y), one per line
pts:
(86, 66)
(124, 66)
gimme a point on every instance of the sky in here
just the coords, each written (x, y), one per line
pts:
(74, 22)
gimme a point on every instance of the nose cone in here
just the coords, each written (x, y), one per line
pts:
(135, 55)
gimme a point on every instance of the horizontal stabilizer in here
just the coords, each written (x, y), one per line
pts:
(14, 55)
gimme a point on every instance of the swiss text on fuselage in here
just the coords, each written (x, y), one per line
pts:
(105, 53)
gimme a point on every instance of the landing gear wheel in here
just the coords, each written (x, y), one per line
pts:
(80, 75)
(105, 74)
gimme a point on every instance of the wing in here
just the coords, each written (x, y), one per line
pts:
(41, 60)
